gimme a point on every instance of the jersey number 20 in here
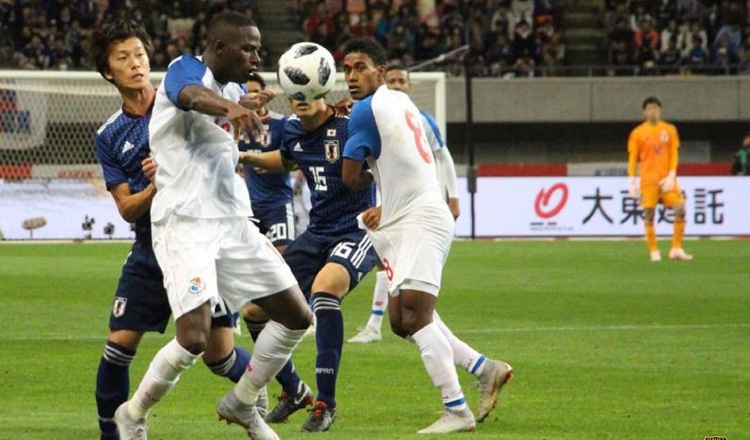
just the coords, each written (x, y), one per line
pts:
(416, 128)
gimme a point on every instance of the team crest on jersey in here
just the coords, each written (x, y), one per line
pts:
(118, 309)
(331, 150)
(196, 285)
(664, 136)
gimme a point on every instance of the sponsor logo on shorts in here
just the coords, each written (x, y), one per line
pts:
(119, 307)
(196, 285)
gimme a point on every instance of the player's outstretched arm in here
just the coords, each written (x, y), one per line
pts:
(208, 102)
(354, 176)
(269, 161)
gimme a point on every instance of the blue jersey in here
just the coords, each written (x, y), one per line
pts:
(268, 190)
(121, 144)
(318, 154)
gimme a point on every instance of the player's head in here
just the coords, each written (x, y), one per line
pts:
(652, 109)
(233, 45)
(364, 66)
(255, 85)
(397, 78)
(120, 50)
(746, 140)
(308, 110)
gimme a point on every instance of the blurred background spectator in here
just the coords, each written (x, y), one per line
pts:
(504, 37)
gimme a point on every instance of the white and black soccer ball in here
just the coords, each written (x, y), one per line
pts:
(306, 72)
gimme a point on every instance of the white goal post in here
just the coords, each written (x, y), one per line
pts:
(48, 118)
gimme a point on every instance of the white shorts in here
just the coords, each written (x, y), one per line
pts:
(414, 251)
(208, 259)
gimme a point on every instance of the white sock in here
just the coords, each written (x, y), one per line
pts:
(464, 355)
(437, 359)
(162, 375)
(272, 349)
(379, 301)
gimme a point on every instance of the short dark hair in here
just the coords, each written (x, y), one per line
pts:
(651, 100)
(257, 77)
(112, 32)
(368, 46)
(227, 20)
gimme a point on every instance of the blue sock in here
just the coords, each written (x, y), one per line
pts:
(233, 366)
(287, 377)
(329, 335)
(112, 386)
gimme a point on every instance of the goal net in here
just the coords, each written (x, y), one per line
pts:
(48, 119)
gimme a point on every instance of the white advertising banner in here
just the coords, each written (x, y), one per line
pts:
(598, 206)
(59, 209)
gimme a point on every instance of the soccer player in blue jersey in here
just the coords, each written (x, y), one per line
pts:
(397, 78)
(412, 230)
(120, 51)
(207, 248)
(270, 193)
(330, 258)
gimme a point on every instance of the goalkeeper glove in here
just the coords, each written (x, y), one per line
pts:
(667, 183)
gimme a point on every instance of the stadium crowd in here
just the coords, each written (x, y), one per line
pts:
(677, 37)
(506, 37)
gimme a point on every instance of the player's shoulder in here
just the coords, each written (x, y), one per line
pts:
(669, 125)
(110, 124)
(293, 125)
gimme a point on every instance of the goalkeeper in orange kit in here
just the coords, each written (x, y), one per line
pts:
(655, 143)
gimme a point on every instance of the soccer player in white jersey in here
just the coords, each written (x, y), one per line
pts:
(120, 50)
(397, 78)
(412, 230)
(203, 240)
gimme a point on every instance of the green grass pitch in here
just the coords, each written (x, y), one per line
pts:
(605, 344)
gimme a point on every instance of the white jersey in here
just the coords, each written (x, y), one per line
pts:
(386, 129)
(196, 153)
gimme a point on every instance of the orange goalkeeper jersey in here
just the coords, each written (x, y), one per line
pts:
(655, 146)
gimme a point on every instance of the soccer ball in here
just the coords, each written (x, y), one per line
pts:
(306, 71)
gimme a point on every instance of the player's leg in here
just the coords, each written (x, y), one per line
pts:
(170, 362)
(371, 331)
(113, 378)
(674, 200)
(492, 374)
(349, 258)
(222, 356)
(329, 287)
(250, 269)
(140, 305)
(417, 310)
(649, 200)
(304, 257)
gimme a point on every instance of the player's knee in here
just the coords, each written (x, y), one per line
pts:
(333, 279)
(299, 321)
(679, 211)
(193, 339)
(412, 321)
(648, 214)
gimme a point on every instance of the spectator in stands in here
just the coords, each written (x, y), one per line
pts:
(672, 30)
(524, 43)
(555, 48)
(697, 57)
(523, 10)
(666, 11)
(498, 55)
(730, 38)
(695, 31)
(59, 56)
(670, 58)
(741, 164)
(646, 36)
(621, 58)
(503, 21)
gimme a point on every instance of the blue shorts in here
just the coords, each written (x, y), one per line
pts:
(307, 255)
(141, 302)
(276, 223)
